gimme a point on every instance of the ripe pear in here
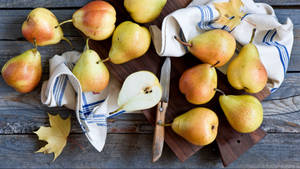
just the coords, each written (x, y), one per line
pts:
(144, 11)
(212, 46)
(246, 70)
(140, 90)
(243, 112)
(129, 41)
(91, 71)
(96, 20)
(24, 71)
(199, 126)
(42, 25)
(198, 83)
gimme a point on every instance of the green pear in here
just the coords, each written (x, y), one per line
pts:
(144, 11)
(243, 112)
(246, 70)
(199, 126)
(129, 41)
(24, 71)
(91, 71)
(198, 83)
(214, 46)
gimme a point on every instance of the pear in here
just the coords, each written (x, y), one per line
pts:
(96, 20)
(91, 71)
(199, 126)
(144, 11)
(140, 90)
(243, 112)
(246, 70)
(24, 71)
(129, 41)
(212, 46)
(41, 25)
(198, 83)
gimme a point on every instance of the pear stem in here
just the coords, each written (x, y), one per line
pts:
(68, 41)
(164, 125)
(87, 44)
(214, 65)
(218, 90)
(70, 20)
(35, 46)
(34, 43)
(182, 42)
(253, 34)
(105, 60)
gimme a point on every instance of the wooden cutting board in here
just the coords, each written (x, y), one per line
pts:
(231, 144)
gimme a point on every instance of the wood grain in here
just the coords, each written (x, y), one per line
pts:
(133, 151)
(159, 131)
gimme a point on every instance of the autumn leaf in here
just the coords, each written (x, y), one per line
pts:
(56, 135)
(230, 13)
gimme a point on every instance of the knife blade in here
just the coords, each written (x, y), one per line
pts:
(159, 132)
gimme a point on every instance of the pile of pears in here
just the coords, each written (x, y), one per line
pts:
(199, 84)
(96, 20)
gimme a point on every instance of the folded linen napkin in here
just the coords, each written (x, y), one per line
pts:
(92, 109)
(273, 40)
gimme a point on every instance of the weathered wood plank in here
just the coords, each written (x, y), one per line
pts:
(11, 22)
(134, 151)
(26, 121)
(23, 113)
(77, 4)
(9, 49)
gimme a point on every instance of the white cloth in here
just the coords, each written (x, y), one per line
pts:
(273, 40)
(92, 109)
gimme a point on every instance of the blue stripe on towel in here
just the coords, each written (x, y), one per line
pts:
(62, 92)
(282, 51)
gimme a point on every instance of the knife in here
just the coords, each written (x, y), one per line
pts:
(159, 132)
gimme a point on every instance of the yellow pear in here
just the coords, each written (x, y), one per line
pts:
(42, 26)
(198, 83)
(246, 70)
(24, 71)
(199, 126)
(144, 11)
(91, 71)
(243, 112)
(214, 46)
(129, 41)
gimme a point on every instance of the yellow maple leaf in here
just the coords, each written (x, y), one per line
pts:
(56, 135)
(230, 13)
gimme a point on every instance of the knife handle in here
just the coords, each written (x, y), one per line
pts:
(159, 132)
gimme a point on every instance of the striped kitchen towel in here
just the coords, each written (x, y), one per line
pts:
(92, 109)
(273, 40)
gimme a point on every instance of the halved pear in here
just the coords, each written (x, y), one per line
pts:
(141, 90)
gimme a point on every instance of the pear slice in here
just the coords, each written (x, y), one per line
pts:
(141, 90)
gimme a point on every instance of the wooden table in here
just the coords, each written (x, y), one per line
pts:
(130, 136)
